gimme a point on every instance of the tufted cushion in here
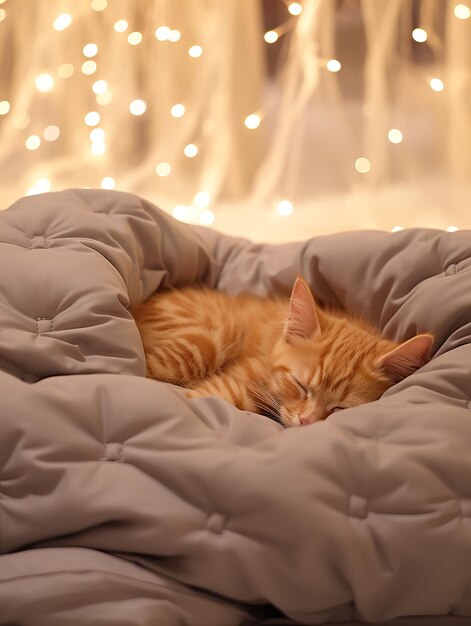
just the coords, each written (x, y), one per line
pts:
(366, 515)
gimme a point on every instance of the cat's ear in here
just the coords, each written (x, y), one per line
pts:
(303, 320)
(406, 358)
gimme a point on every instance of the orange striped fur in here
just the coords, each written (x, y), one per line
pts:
(290, 359)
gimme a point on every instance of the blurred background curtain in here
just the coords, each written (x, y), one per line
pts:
(358, 115)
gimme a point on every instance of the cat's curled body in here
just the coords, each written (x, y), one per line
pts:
(290, 359)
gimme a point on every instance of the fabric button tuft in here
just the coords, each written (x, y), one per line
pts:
(465, 507)
(357, 506)
(112, 451)
(215, 523)
(38, 241)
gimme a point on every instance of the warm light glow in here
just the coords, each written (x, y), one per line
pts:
(396, 229)
(120, 26)
(163, 169)
(162, 33)
(419, 35)
(333, 65)
(181, 212)
(92, 118)
(252, 121)
(178, 110)
(134, 38)
(90, 50)
(202, 199)
(452, 229)
(43, 185)
(89, 67)
(137, 107)
(436, 84)
(104, 98)
(285, 207)
(51, 133)
(271, 36)
(97, 135)
(195, 51)
(4, 107)
(190, 150)
(174, 35)
(295, 8)
(65, 70)
(362, 165)
(108, 183)
(395, 135)
(3, 14)
(99, 5)
(207, 217)
(22, 121)
(62, 21)
(100, 86)
(33, 142)
(44, 82)
(97, 148)
(462, 12)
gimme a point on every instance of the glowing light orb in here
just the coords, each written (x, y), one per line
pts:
(65, 70)
(295, 8)
(92, 118)
(97, 135)
(190, 150)
(108, 183)
(33, 142)
(120, 26)
(4, 107)
(62, 21)
(362, 165)
(178, 110)
(97, 148)
(163, 169)
(271, 36)
(452, 229)
(100, 86)
(195, 51)
(162, 33)
(44, 82)
(99, 5)
(137, 107)
(252, 121)
(333, 65)
(134, 38)
(395, 135)
(88, 68)
(104, 98)
(207, 217)
(285, 207)
(436, 84)
(462, 12)
(51, 133)
(420, 35)
(90, 50)
(202, 199)
(174, 36)
(396, 229)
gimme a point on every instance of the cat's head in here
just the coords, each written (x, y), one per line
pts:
(323, 363)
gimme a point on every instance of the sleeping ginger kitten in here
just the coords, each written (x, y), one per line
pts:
(292, 360)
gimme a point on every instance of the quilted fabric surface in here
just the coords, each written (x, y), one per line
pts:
(121, 502)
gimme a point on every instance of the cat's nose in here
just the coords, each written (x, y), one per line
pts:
(304, 420)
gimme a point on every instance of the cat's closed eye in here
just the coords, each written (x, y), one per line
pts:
(302, 388)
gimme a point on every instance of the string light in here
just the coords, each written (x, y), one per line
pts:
(195, 51)
(4, 107)
(183, 213)
(137, 107)
(89, 68)
(285, 208)
(134, 38)
(271, 36)
(163, 169)
(333, 65)
(396, 229)
(98, 148)
(190, 150)
(174, 36)
(162, 33)
(33, 142)
(62, 21)
(99, 5)
(362, 165)
(100, 87)
(90, 50)
(207, 217)
(419, 35)
(108, 183)
(120, 26)
(97, 135)
(178, 110)
(452, 229)
(92, 118)
(65, 70)
(436, 84)
(104, 98)
(295, 8)
(44, 82)
(202, 199)
(462, 12)
(51, 133)
(252, 121)
(395, 135)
